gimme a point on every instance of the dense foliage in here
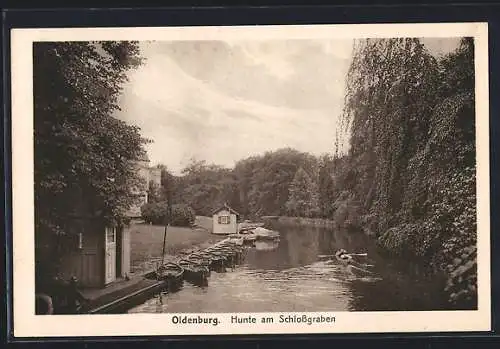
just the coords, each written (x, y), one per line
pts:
(84, 157)
(258, 185)
(264, 181)
(159, 213)
(182, 216)
(409, 120)
(155, 212)
(302, 196)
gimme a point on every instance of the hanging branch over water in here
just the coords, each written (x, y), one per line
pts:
(408, 123)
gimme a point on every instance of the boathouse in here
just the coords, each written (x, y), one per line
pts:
(96, 253)
(225, 220)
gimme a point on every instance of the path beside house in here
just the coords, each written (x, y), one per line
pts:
(146, 242)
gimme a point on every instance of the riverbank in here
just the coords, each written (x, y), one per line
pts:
(300, 221)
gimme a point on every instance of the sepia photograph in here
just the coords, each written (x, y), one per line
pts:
(209, 177)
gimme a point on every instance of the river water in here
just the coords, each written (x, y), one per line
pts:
(297, 274)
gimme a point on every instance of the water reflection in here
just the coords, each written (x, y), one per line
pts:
(267, 245)
(297, 274)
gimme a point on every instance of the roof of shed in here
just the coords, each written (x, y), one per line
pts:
(225, 207)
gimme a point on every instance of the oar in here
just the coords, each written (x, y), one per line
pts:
(350, 254)
(361, 269)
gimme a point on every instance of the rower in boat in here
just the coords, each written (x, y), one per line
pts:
(352, 266)
(343, 256)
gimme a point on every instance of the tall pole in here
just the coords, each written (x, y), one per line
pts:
(167, 221)
(164, 241)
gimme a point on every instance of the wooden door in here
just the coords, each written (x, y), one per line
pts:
(110, 255)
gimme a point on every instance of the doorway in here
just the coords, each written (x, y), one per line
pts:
(110, 255)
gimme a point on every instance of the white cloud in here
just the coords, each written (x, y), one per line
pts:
(223, 101)
(187, 117)
(274, 56)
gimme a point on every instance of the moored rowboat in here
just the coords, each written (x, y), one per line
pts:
(216, 262)
(172, 273)
(194, 272)
(263, 233)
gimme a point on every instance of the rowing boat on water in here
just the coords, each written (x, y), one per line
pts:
(249, 238)
(207, 257)
(235, 239)
(247, 225)
(343, 257)
(233, 254)
(228, 248)
(172, 273)
(353, 266)
(194, 272)
(263, 233)
(216, 262)
(197, 260)
(218, 255)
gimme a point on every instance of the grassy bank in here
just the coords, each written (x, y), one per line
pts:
(146, 242)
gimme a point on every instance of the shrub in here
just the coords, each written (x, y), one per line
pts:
(418, 239)
(157, 213)
(455, 207)
(182, 216)
(446, 239)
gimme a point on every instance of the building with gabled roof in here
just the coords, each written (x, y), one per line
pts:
(225, 220)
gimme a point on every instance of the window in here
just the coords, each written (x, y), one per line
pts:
(224, 219)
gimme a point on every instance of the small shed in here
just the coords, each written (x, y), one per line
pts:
(225, 220)
(95, 253)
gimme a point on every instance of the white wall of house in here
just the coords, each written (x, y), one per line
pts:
(225, 222)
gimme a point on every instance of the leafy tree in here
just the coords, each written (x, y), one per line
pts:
(84, 157)
(170, 186)
(155, 212)
(264, 180)
(302, 199)
(160, 213)
(409, 120)
(182, 216)
(326, 186)
(391, 90)
(257, 185)
(204, 186)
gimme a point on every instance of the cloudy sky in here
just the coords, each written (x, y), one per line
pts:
(223, 101)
